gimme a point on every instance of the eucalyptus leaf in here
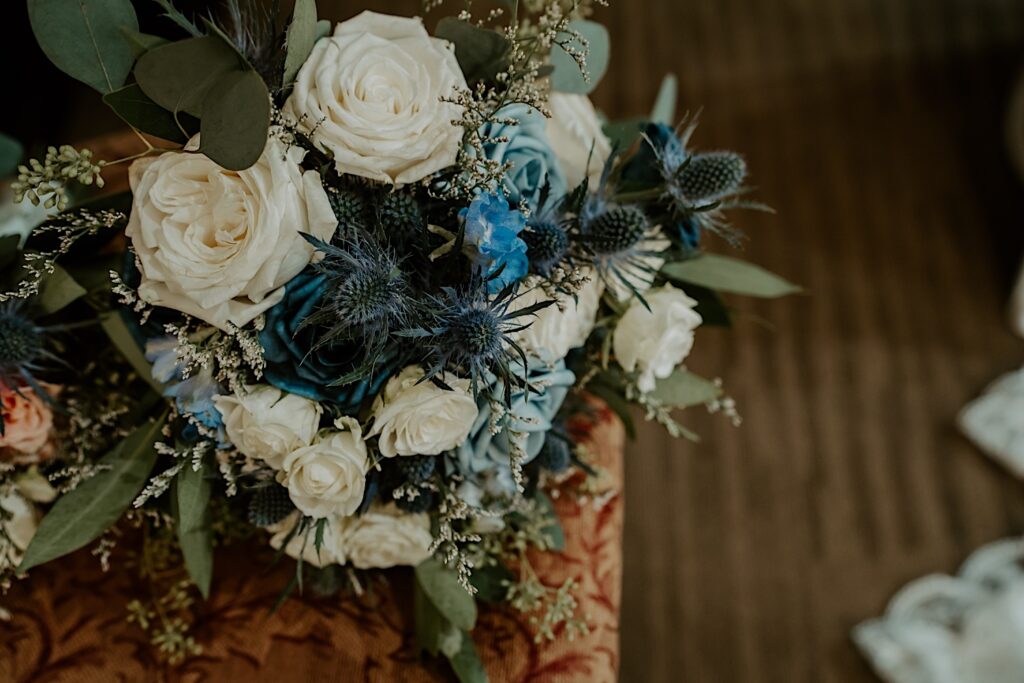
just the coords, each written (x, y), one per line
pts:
(124, 341)
(85, 512)
(664, 110)
(11, 153)
(612, 395)
(624, 134)
(236, 118)
(441, 585)
(302, 34)
(482, 53)
(567, 76)
(726, 274)
(466, 663)
(683, 389)
(141, 43)
(178, 76)
(429, 622)
(9, 249)
(85, 38)
(58, 290)
(553, 531)
(192, 515)
(136, 109)
(491, 583)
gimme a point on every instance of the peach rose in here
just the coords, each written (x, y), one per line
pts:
(28, 422)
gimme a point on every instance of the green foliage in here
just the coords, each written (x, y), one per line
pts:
(442, 586)
(113, 324)
(58, 290)
(491, 583)
(726, 274)
(302, 34)
(429, 622)
(466, 663)
(85, 39)
(178, 76)
(552, 530)
(191, 503)
(683, 389)
(609, 389)
(624, 134)
(436, 634)
(567, 75)
(82, 514)
(664, 110)
(235, 120)
(482, 53)
(141, 43)
(11, 152)
(139, 111)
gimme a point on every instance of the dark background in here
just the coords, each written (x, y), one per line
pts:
(876, 130)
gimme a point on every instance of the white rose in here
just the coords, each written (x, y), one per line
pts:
(386, 537)
(642, 271)
(328, 477)
(19, 527)
(420, 418)
(219, 244)
(304, 545)
(575, 130)
(267, 423)
(655, 341)
(562, 326)
(371, 95)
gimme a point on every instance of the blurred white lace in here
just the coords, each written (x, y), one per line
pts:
(995, 423)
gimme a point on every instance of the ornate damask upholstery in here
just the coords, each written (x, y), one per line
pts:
(68, 622)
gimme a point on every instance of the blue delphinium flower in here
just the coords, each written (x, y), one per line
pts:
(528, 421)
(519, 138)
(492, 237)
(298, 363)
(192, 396)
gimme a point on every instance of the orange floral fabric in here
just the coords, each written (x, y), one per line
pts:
(68, 620)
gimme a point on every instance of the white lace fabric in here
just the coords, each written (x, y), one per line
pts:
(995, 422)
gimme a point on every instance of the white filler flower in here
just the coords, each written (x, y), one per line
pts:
(655, 341)
(219, 244)
(371, 95)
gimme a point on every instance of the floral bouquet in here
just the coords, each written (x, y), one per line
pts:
(365, 277)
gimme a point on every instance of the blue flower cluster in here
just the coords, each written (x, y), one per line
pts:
(492, 232)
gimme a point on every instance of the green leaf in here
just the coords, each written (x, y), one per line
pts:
(58, 290)
(178, 76)
(236, 118)
(446, 593)
(726, 274)
(616, 401)
(624, 134)
(302, 34)
(683, 389)
(9, 249)
(556, 537)
(113, 324)
(141, 43)
(491, 583)
(82, 514)
(191, 509)
(664, 110)
(139, 111)
(323, 29)
(84, 38)
(466, 663)
(567, 76)
(11, 152)
(429, 622)
(482, 53)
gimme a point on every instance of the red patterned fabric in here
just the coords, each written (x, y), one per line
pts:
(68, 621)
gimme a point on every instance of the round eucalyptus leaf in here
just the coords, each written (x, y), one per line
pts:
(236, 118)
(567, 76)
(177, 76)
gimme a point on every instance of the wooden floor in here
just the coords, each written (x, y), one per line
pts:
(874, 127)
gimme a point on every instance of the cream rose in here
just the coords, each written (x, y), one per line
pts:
(577, 138)
(371, 95)
(19, 527)
(219, 244)
(328, 477)
(385, 537)
(563, 326)
(28, 421)
(420, 418)
(655, 341)
(267, 423)
(304, 545)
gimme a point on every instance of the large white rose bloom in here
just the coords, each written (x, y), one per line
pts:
(219, 244)
(328, 477)
(563, 326)
(655, 341)
(266, 423)
(420, 418)
(577, 138)
(385, 537)
(371, 95)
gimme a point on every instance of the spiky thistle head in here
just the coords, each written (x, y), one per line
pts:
(615, 229)
(367, 295)
(22, 346)
(547, 245)
(710, 176)
(400, 217)
(350, 208)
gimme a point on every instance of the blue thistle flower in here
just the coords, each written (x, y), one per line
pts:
(547, 245)
(23, 351)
